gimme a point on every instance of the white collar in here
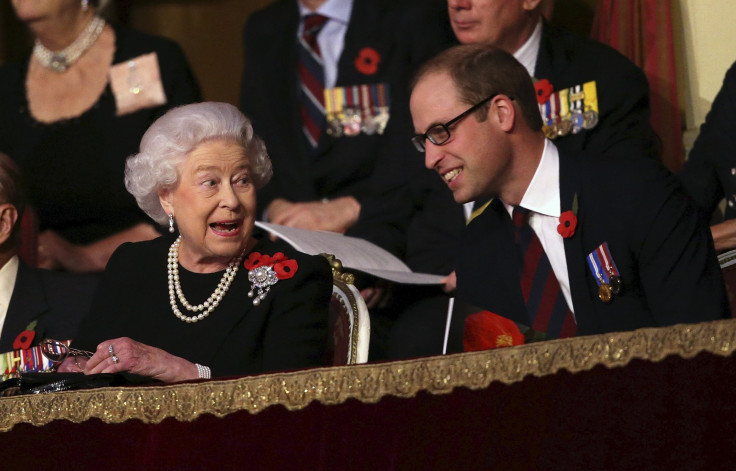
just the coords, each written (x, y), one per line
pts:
(543, 193)
(337, 10)
(528, 52)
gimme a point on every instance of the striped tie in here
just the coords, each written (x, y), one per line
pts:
(545, 304)
(312, 79)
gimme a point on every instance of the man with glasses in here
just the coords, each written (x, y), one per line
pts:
(570, 244)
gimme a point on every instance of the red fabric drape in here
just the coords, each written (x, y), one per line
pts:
(642, 31)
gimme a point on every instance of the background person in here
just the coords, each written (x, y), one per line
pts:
(72, 111)
(616, 243)
(199, 168)
(709, 174)
(55, 301)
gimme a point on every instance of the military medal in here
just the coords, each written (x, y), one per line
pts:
(614, 278)
(590, 119)
(369, 124)
(352, 114)
(576, 116)
(605, 272)
(334, 128)
(564, 125)
(590, 104)
(382, 97)
(549, 128)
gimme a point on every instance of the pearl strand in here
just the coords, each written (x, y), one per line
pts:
(175, 291)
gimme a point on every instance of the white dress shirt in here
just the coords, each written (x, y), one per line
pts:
(8, 275)
(331, 38)
(542, 199)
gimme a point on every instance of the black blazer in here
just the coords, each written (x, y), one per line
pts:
(661, 247)
(376, 170)
(566, 60)
(709, 173)
(287, 330)
(58, 301)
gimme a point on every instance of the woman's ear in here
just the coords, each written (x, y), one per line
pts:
(166, 197)
(8, 218)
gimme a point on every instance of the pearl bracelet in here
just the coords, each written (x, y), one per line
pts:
(203, 371)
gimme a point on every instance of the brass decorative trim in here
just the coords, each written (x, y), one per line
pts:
(369, 383)
(354, 328)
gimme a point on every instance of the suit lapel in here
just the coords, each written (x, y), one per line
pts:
(581, 285)
(27, 303)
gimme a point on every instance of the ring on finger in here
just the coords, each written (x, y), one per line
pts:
(109, 349)
(115, 359)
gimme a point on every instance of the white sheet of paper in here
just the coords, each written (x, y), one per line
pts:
(353, 253)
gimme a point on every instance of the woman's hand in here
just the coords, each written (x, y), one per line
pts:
(137, 358)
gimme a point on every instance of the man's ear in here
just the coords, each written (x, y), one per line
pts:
(502, 110)
(8, 218)
(166, 197)
(531, 5)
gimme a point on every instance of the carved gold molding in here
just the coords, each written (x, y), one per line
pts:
(368, 383)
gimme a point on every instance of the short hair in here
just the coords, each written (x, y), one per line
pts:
(12, 190)
(169, 140)
(479, 71)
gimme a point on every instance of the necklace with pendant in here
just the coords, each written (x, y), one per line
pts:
(60, 61)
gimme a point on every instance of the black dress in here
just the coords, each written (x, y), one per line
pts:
(74, 168)
(288, 330)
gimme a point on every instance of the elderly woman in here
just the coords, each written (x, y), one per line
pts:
(72, 111)
(212, 299)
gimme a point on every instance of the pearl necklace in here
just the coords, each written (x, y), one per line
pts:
(175, 291)
(60, 61)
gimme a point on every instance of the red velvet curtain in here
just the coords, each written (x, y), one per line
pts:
(642, 31)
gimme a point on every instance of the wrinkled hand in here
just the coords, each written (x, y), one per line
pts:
(336, 215)
(137, 358)
(450, 283)
(72, 364)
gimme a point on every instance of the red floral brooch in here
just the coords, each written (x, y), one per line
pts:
(24, 340)
(367, 61)
(569, 220)
(543, 89)
(265, 271)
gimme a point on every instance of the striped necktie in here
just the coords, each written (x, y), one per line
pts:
(545, 303)
(312, 79)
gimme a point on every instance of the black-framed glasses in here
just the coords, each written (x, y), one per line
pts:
(440, 133)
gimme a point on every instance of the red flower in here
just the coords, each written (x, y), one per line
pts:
(567, 225)
(367, 61)
(543, 89)
(253, 260)
(24, 340)
(485, 330)
(286, 269)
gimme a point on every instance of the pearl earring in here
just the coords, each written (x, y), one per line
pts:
(171, 223)
(85, 5)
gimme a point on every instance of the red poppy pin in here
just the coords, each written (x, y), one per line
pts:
(543, 89)
(569, 220)
(265, 271)
(367, 61)
(24, 340)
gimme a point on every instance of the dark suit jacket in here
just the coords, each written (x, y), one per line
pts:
(566, 60)
(708, 174)
(661, 247)
(58, 301)
(376, 170)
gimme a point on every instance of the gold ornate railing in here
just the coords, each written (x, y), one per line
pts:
(370, 382)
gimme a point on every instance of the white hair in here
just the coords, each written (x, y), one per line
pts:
(169, 140)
